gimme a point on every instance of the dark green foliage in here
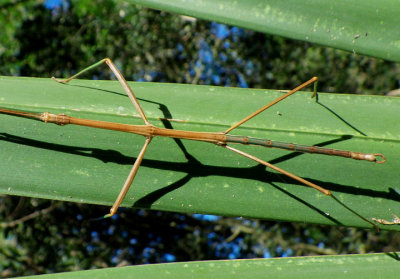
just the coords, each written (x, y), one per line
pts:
(144, 43)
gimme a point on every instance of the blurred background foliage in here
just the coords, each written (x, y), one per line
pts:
(46, 38)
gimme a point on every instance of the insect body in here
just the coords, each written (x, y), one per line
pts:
(223, 139)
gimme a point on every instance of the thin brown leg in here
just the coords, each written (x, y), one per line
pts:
(129, 179)
(291, 175)
(314, 79)
(301, 180)
(121, 80)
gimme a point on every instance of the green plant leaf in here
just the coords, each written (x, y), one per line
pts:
(361, 26)
(351, 266)
(88, 165)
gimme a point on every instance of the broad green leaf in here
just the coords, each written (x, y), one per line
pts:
(350, 266)
(360, 26)
(88, 165)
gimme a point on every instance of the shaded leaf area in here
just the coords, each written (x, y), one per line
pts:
(157, 46)
(352, 266)
(88, 165)
(357, 26)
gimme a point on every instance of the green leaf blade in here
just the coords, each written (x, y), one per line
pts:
(351, 266)
(363, 27)
(81, 164)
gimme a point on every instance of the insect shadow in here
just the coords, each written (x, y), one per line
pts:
(192, 167)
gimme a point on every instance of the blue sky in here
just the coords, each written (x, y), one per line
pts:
(51, 4)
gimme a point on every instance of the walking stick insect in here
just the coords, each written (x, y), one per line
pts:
(223, 139)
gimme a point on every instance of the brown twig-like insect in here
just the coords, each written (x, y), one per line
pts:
(222, 139)
(395, 221)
